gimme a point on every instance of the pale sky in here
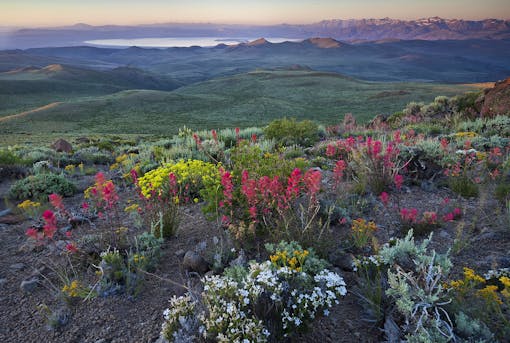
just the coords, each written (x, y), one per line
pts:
(30, 13)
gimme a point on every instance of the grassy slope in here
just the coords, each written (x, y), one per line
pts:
(241, 100)
(23, 90)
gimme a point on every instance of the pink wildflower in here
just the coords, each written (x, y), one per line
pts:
(385, 198)
(56, 201)
(399, 180)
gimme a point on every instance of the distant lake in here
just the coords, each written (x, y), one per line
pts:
(178, 41)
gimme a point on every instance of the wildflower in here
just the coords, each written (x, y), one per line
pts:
(85, 206)
(330, 150)
(293, 183)
(444, 144)
(214, 135)
(71, 248)
(253, 212)
(254, 138)
(399, 180)
(312, 180)
(385, 198)
(27, 204)
(56, 201)
(339, 169)
(50, 227)
(32, 233)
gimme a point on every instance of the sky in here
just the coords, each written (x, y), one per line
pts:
(36, 13)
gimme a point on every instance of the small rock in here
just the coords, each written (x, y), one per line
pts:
(342, 260)
(161, 340)
(61, 145)
(60, 244)
(194, 262)
(444, 234)
(11, 219)
(240, 260)
(82, 140)
(28, 286)
(2, 281)
(180, 253)
(102, 340)
(428, 186)
(17, 266)
(5, 212)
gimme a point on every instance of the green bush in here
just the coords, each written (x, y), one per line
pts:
(289, 131)
(462, 185)
(9, 158)
(260, 163)
(40, 186)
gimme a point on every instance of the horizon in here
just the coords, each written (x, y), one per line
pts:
(235, 24)
(58, 13)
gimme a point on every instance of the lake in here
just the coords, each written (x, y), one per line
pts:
(168, 42)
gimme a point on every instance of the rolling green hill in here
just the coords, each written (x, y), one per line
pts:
(25, 88)
(248, 99)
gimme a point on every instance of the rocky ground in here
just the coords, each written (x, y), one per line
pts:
(480, 240)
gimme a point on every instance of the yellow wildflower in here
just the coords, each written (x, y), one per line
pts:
(489, 293)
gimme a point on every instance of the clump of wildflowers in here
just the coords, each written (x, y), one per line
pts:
(272, 300)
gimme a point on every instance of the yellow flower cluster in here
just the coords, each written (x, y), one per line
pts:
(131, 208)
(294, 261)
(506, 283)
(70, 168)
(490, 294)
(192, 173)
(481, 155)
(362, 226)
(473, 282)
(138, 258)
(466, 134)
(123, 161)
(72, 290)
(28, 205)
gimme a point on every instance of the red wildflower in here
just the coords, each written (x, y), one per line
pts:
(56, 201)
(71, 247)
(312, 180)
(399, 180)
(339, 169)
(448, 217)
(254, 138)
(228, 186)
(330, 150)
(253, 212)
(293, 183)
(214, 135)
(197, 140)
(32, 233)
(385, 198)
(444, 144)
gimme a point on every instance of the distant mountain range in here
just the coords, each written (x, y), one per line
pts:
(351, 30)
(384, 60)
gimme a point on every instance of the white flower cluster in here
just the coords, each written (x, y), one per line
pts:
(466, 152)
(230, 318)
(365, 261)
(179, 319)
(230, 314)
(496, 274)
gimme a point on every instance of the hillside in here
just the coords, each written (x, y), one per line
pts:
(243, 100)
(389, 60)
(27, 87)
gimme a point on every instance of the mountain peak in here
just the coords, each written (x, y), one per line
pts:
(257, 42)
(323, 43)
(52, 68)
